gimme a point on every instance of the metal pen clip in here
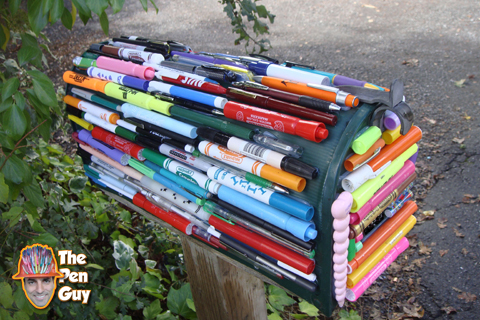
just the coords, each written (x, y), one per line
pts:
(243, 93)
(377, 151)
(163, 97)
(261, 56)
(250, 84)
(212, 67)
(290, 64)
(322, 87)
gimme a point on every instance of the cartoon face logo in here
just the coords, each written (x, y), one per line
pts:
(37, 268)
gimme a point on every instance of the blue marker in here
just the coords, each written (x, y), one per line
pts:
(276, 200)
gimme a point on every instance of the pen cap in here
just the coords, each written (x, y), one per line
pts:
(155, 157)
(126, 67)
(284, 178)
(299, 168)
(259, 67)
(389, 136)
(291, 206)
(366, 140)
(390, 120)
(81, 122)
(358, 159)
(213, 135)
(311, 130)
(80, 80)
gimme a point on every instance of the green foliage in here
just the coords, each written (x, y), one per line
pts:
(346, 315)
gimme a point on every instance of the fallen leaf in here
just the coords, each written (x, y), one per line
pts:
(456, 289)
(414, 311)
(443, 252)
(431, 121)
(468, 297)
(449, 310)
(464, 251)
(429, 212)
(458, 233)
(369, 6)
(458, 140)
(460, 83)
(423, 249)
(394, 267)
(441, 223)
(410, 282)
(467, 117)
(418, 262)
(410, 62)
(375, 314)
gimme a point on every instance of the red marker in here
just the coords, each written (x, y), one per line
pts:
(117, 142)
(264, 245)
(193, 82)
(171, 218)
(310, 130)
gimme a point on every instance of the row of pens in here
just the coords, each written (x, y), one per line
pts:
(154, 130)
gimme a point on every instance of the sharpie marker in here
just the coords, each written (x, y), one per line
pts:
(276, 200)
(306, 101)
(84, 63)
(331, 94)
(184, 157)
(94, 110)
(256, 167)
(281, 106)
(119, 78)
(310, 130)
(254, 151)
(129, 54)
(119, 143)
(264, 68)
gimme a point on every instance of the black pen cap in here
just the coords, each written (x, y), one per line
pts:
(96, 47)
(213, 135)
(299, 168)
(148, 143)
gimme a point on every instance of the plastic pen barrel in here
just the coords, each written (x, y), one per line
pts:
(126, 67)
(122, 144)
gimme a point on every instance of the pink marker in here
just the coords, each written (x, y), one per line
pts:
(407, 170)
(126, 67)
(354, 293)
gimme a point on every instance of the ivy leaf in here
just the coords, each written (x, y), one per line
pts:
(77, 184)
(152, 310)
(177, 301)
(38, 20)
(3, 189)
(352, 315)
(14, 121)
(107, 307)
(56, 10)
(104, 22)
(97, 6)
(21, 315)
(10, 87)
(274, 316)
(124, 291)
(43, 88)
(16, 170)
(117, 5)
(167, 315)
(33, 192)
(122, 254)
(46, 238)
(5, 315)
(14, 215)
(308, 308)
(191, 304)
(278, 298)
(6, 296)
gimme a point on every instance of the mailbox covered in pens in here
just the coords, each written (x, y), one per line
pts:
(299, 183)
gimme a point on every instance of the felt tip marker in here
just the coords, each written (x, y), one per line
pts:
(357, 160)
(110, 151)
(84, 63)
(125, 67)
(270, 141)
(211, 72)
(129, 54)
(82, 123)
(254, 151)
(253, 166)
(122, 79)
(94, 110)
(87, 95)
(121, 144)
(310, 130)
(184, 157)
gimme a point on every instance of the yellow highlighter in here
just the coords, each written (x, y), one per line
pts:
(377, 255)
(368, 189)
(82, 123)
(391, 135)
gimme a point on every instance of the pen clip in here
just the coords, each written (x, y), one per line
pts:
(242, 93)
(261, 56)
(212, 67)
(250, 84)
(377, 151)
(290, 64)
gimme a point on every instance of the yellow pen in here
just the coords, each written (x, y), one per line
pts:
(391, 135)
(247, 72)
(377, 255)
(82, 123)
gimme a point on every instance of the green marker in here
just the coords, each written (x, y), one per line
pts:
(366, 140)
(84, 63)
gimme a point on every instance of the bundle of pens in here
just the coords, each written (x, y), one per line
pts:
(221, 148)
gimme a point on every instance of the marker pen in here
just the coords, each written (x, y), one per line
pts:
(397, 182)
(82, 123)
(166, 71)
(96, 98)
(131, 111)
(265, 68)
(310, 130)
(173, 45)
(331, 94)
(254, 151)
(110, 151)
(119, 92)
(357, 160)
(132, 46)
(256, 167)
(264, 245)
(189, 94)
(377, 255)
(119, 143)
(306, 101)
(161, 46)
(152, 174)
(390, 120)
(369, 188)
(391, 135)
(209, 71)
(84, 63)
(382, 233)
(386, 155)
(125, 67)
(276, 200)
(184, 157)
(109, 180)
(301, 229)
(354, 293)
(366, 140)
(119, 78)
(129, 54)
(357, 229)
(281, 106)
(275, 231)
(92, 109)
(183, 171)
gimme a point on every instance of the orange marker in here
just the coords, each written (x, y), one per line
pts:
(80, 80)
(358, 159)
(98, 112)
(331, 94)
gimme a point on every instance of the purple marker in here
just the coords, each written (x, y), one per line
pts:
(390, 120)
(414, 157)
(110, 151)
(206, 59)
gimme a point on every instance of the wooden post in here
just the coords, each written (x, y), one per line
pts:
(220, 289)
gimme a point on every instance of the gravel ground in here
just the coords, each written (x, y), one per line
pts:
(433, 46)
